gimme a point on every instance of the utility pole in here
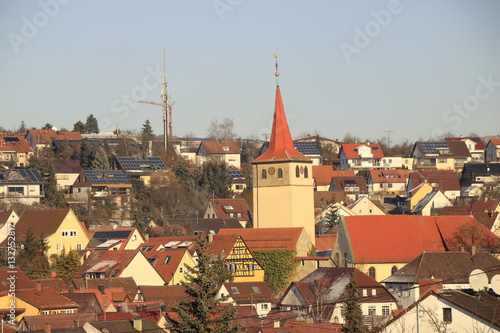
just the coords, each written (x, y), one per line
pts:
(388, 138)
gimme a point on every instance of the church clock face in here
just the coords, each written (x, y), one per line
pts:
(271, 171)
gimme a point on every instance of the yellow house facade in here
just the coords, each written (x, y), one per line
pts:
(418, 194)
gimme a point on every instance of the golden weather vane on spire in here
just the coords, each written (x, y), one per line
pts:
(276, 73)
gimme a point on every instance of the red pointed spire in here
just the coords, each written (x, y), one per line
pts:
(281, 145)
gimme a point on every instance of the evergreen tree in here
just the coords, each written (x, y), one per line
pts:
(22, 128)
(66, 264)
(86, 152)
(215, 180)
(353, 316)
(201, 311)
(146, 132)
(35, 162)
(99, 159)
(53, 197)
(32, 257)
(91, 124)
(79, 127)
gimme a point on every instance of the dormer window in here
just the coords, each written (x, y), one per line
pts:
(225, 148)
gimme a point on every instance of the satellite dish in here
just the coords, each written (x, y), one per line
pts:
(478, 280)
(495, 284)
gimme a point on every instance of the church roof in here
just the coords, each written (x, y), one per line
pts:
(281, 145)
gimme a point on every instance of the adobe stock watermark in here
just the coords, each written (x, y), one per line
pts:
(224, 6)
(31, 27)
(123, 105)
(461, 111)
(372, 29)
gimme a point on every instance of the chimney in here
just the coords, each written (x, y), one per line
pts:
(38, 285)
(71, 289)
(47, 328)
(113, 226)
(146, 237)
(101, 288)
(210, 238)
(473, 250)
(137, 322)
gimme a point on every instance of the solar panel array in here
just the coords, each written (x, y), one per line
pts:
(133, 164)
(107, 176)
(429, 147)
(349, 182)
(11, 139)
(29, 176)
(235, 174)
(307, 148)
(112, 234)
(94, 142)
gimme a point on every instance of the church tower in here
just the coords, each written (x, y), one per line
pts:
(283, 192)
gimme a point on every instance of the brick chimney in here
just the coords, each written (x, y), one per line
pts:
(38, 285)
(47, 328)
(137, 322)
(473, 250)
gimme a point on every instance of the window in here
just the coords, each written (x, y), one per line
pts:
(264, 174)
(115, 272)
(238, 214)
(264, 306)
(256, 289)
(58, 247)
(306, 172)
(386, 310)
(72, 233)
(374, 292)
(152, 261)
(365, 293)
(371, 210)
(45, 313)
(181, 270)
(372, 310)
(167, 259)
(447, 315)
(251, 267)
(16, 190)
(235, 290)
(297, 171)
(346, 261)
(337, 259)
(394, 269)
(371, 272)
(231, 214)
(146, 248)
(280, 173)
(64, 233)
(79, 246)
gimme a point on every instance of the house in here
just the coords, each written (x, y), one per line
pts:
(323, 199)
(238, 180)
(123, 325)
(440, 155)
(100, 184)
(228, 208)
(25, 186)
(416, 195)
(397, 162)
(39, 139)
(360, 156)
(119, 263)
(205, 226)
(323, 175)
(167, 295)
(450, 269)
(15, 151)
(217, 151)
(387, 182)
(57, 323)
(115, 239)
(267, 239)
(171, 264)
(492, 151)
(447, 181)
(380, 245)
(450, 310)
(126, 284)
(237, 257)
(353, 187)
(60, 228)
(166, 243)
(430, 202)
(329, 148)
(256, 294)
(36, 301)
(8, 220)
(141, 169)
(322, 294)
(365, 206)
(477, 176)
(475, 146)
(307, 148)
(66, 172)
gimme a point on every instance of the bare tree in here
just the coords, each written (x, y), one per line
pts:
(221, 131)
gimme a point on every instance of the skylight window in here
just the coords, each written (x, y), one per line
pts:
(235, 290)
(228, 207)
(167, 260)
(256, 290)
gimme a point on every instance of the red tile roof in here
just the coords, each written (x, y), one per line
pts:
(5, 215)
(495, 142)
(400, 238)
(388, 176)
(222, 245)
(19, 145)
(217, 147)
(267, 238)
(281, 145)
(479, 143)
(225, 207)
(350, 149)
(485, 206)
(22, 281)
(323, 174)
(325, 242)
(106, 262)
(44, 299)
(47, 136)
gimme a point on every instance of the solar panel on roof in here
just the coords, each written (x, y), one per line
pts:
(306, 148)
(112, 234)
(133, 164)
(429, 147)
(11, 139)
(235, 174)
(349, 182)
(107, 176)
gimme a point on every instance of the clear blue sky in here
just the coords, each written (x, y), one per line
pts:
(362, 67)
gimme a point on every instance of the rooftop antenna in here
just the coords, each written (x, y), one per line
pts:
(388, 138)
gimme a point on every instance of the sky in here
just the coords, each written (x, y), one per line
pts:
(410, 69)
